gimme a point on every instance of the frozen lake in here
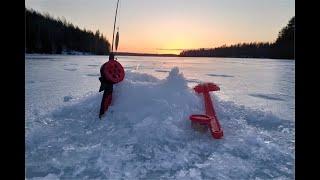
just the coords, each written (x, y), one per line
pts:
(65, 139)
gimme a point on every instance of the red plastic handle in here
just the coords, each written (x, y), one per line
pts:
(215, 128)
(200, 118)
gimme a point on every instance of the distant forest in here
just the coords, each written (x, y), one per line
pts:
(44, 34)
(282, 48)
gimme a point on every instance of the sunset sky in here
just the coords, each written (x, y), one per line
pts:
(167, 26)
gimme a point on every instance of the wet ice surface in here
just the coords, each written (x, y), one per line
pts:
(146, 133)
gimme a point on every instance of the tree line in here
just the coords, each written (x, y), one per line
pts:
(281, 48)
(44, 34)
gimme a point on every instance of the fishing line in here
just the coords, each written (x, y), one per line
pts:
(118, 34)
(119, 15)
(114, 25)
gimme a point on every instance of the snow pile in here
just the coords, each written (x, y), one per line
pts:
(146, 134)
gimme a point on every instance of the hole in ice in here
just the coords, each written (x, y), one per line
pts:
(219, 75)
(92, 74)
(70, 69)
(267, 96)
(67, 98)
(159, 70)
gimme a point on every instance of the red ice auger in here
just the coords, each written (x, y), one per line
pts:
(210, 119)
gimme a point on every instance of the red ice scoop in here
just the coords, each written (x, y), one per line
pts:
(210, 117)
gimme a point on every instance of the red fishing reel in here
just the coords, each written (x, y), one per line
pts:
(113, 71)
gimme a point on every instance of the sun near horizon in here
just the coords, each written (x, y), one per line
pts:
(170, 26)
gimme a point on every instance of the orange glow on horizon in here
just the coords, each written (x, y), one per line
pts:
(170, 26)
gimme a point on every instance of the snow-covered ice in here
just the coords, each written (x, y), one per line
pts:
(146, 133)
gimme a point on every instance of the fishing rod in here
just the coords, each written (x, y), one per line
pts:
(112, 72)
(114, 26)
